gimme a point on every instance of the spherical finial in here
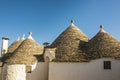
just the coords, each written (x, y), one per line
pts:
(30, 33)
(30, 36)
(72, 21)
(101, 26)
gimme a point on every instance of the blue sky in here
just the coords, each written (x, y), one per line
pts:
(48, 18)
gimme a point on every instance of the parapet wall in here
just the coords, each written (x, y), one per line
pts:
(93, 70)
(39, 73)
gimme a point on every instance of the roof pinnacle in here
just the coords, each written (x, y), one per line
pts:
(101, 28)
(30, 36)
(18, 38)
(72, 22)
(30, 33)
(23, 37)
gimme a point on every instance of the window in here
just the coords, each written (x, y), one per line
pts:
(28, 69)
(107, 64)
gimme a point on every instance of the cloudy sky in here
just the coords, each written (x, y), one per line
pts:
(48, 18)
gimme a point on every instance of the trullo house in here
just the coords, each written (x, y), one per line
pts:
(71, 56)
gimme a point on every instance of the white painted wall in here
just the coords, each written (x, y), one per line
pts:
(92, 70)
(39, 73)
(18, 72)
(14, 72)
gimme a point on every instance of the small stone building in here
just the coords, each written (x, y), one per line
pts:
(72, 56)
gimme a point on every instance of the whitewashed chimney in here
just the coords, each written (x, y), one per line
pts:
(4, 47)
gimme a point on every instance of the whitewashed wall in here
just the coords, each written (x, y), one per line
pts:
(92, 70)
(39, 73)
(14, 72)
(18, 72)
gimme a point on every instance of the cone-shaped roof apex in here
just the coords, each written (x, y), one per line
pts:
(104, 45)
(68, 41)
(72, 32)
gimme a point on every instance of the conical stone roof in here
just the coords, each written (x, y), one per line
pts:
(103, 45)
(26, 52)
(11, 49)
(14, 46)
(68, 44)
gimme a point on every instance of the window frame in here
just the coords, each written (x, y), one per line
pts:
(107, 65)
